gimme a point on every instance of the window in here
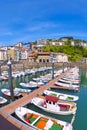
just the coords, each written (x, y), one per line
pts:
(43, 60)
(49, 102)
(40, 60)
(47, 60)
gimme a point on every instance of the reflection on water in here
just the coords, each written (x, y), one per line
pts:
(83, 77)
(81, 114)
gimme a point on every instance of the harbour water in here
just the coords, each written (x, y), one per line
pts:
(81, 114)
(80, 122)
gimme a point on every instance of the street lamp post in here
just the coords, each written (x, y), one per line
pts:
(0, 69)
(63, 67)
(10, 80)
(70, 65)
(23, 68)
(52, 70)
(62, 64)
(53, 59)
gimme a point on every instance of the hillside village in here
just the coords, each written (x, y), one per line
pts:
(32, 51)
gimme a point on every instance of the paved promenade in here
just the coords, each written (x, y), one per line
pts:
(6, 111)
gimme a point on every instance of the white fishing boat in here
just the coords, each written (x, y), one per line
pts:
(68, 86)
(20, 90)
(68, 81)
(29, 85)
(73, 75)
(6, 93)
(61, 96)
(40, 81)
(41, 122)
(3, 100)
(3, 78)
(54, 105)
(46, 77)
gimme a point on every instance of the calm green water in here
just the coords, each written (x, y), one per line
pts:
(80, 122)
(81, 114)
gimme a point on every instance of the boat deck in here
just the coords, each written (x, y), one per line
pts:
(7, 110)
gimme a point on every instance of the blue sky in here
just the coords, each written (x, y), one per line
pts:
(30, 20)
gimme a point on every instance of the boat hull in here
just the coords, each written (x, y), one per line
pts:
(6, 93)
(61, 96)
(39, 123)
(39, 102)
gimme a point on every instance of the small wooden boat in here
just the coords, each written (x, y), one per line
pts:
(41, 122)
(3, 78)
(61, 96)
(68, 86)
(72, 77)
(2, 101)
(73, 74)
(6, 93)
(68, 81)
(20, 90)
(30, 85)
(54, 105)
(39, 81)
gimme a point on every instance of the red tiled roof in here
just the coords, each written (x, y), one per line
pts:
(32, 54)
(25, 49)
(51, 98)
(44, 53)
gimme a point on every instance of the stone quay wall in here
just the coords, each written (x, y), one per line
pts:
(22, 65)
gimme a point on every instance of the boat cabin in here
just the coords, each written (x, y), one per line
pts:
(51, 102)
(51, 99)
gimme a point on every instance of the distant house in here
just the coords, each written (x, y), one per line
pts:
(19, 44)
(84, 60)
(11, 52)
(84, 44)
(61, 57)
(72, 43)
(40, 57)
(43, 57)
(3, 53)
(38, 48)
(24, 53)
(66, 38)
(57, 43)
(42, 42)
(32, 57)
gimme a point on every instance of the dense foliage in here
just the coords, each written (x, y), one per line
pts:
(75, 53)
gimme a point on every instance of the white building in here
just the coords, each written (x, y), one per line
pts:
(24, 53)
(3, 53)
(60, 57)
(57, 43)
(42, 41)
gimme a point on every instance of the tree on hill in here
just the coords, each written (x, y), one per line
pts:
(75, 53)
